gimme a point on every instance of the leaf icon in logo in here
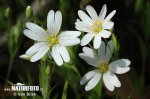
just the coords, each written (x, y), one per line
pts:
(19, 84)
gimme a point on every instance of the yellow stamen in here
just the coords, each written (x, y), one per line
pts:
(96, 26)
(103, 67)
(53, 40)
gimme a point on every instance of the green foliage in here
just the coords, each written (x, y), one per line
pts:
(45, 79)
(14, 37)
(64, 93)
(7, 12)
(138, 5)
(12, 25)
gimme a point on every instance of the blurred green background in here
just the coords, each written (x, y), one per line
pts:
(132, 29)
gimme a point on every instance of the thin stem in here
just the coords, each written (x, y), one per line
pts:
(100, 90)
(90, 46)
(9, 69)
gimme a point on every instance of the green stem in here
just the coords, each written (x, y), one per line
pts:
(9, 69)
(45, 79)
(100, 90)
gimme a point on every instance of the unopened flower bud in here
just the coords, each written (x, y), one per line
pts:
(28, 11)
(7, 12)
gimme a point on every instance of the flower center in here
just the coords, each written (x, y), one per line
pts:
(53, 40)
(103, 67)
(96, 26)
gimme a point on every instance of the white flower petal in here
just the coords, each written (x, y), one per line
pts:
(50, 21)
(101, 50)
(103, 12)
(93, 82)
(108, 18)
(82, 24)
(33, 49)
(41, 52)
(63, 52)
(87, 77)
(91, 11)
(37, 29)
(97, 41)
(57, 23)
(106, 78)
(105, 34)
(69, 42)
(89, 59)
(86, 39)
(78, 20)
(69, 34)
(108, 25)
(109, 50)
(26, 57)
(83, 29)
(90, 52)
(115, 80)
(84, 17)
(35, 36)
(120, 66)
(56, 56)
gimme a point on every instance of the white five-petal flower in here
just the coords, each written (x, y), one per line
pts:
(96, 26)
(50, 41)
(104, 69)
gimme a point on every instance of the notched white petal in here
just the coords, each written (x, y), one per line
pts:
(97, 42)
(102, 50)
(91, 11)
(86, 39)
(120, 66)
(63, 52)
(57, 22)
(41, 52)
(115, 80)
(36, 28)
(107, 25)
(103, 12)
(105, 34)
(93, 82)
(69, 34)
(106, 78)
(89, 59)
(87, 77)
(33, 49)
(84, 17)
(90, 52)
(56, 56)
(69, 42)
(50, 21)
(35, 36)
(108, 18)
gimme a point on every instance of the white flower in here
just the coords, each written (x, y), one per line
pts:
(50, 41)
(104, 69)
(97, 27)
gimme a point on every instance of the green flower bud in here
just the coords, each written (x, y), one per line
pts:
(28, 11)
(7, 12)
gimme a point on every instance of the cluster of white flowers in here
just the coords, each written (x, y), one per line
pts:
(53, 42)
(50, 41)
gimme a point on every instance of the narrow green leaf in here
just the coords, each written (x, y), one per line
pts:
(64, 94)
